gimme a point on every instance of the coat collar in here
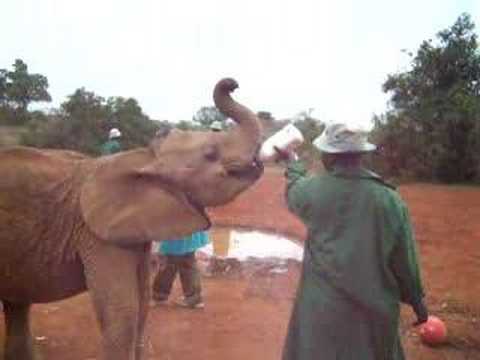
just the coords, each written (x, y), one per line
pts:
(359, 173)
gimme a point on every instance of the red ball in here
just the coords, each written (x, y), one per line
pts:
(434, 331)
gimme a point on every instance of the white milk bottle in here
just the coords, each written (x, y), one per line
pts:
(288, 138)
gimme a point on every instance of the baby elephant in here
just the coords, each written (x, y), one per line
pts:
(70, 223)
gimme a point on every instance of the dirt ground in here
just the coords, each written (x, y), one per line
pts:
(248, 306)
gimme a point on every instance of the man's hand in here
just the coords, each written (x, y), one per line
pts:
(421, 311)
(284, 155)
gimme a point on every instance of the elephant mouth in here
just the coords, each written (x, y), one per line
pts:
(199, 208)
(249, 172)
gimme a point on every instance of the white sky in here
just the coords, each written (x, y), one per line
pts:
(288, 56)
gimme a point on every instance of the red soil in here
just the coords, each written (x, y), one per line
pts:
(246, 312)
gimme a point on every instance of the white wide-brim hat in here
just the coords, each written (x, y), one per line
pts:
(114, 133)
(340, 138)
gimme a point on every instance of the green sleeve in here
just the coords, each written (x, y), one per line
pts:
(405, 262)
(297, 193)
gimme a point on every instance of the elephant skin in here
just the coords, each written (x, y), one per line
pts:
(71, 223)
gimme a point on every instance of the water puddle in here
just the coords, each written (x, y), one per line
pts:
(237, 251)
(246, 244)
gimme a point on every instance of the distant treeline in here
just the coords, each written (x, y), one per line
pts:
(83, 121)
(431, 131)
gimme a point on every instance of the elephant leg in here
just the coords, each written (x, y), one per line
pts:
(18, 343)
(113, 280)
(144, 300)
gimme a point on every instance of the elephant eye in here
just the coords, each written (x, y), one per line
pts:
(211, 153)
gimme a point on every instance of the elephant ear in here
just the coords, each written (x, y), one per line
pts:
(122, 207)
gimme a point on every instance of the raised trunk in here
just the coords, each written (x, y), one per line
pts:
(248, 129)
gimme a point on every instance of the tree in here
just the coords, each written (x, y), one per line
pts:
(127, 115)
(436, 106)
(3, 87)
(84, 120)
(187, 125)
(18, 89)
(208, 115)
(308, 125)
(22, 88)
(310, 129)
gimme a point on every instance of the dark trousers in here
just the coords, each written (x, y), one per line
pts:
(186, 266)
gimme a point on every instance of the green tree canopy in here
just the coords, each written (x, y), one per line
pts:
(3, 87)
(207, 115)
(84, 120)
(188, 125)
(127, 115)
(435, 109)
(18, 88)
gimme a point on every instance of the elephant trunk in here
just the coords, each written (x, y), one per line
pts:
(248, 128)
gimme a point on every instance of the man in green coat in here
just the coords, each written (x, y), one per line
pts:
(112, 146)
(360, 260)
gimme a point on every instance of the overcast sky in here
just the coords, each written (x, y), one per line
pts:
(287, 56)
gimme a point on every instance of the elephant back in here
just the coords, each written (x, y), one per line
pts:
(35, 192)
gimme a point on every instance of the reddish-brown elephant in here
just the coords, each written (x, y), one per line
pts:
(70, 223)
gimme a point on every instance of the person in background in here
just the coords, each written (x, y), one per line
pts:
(360, 258)
(180, 257)
(113, 145)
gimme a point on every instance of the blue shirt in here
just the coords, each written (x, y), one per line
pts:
(185, 245)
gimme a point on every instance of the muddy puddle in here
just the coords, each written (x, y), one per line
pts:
(251, 244)
(235, 251)
(242, 251)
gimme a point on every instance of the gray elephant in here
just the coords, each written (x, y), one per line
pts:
(70, 223)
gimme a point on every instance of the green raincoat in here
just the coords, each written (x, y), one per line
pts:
(359, 263)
